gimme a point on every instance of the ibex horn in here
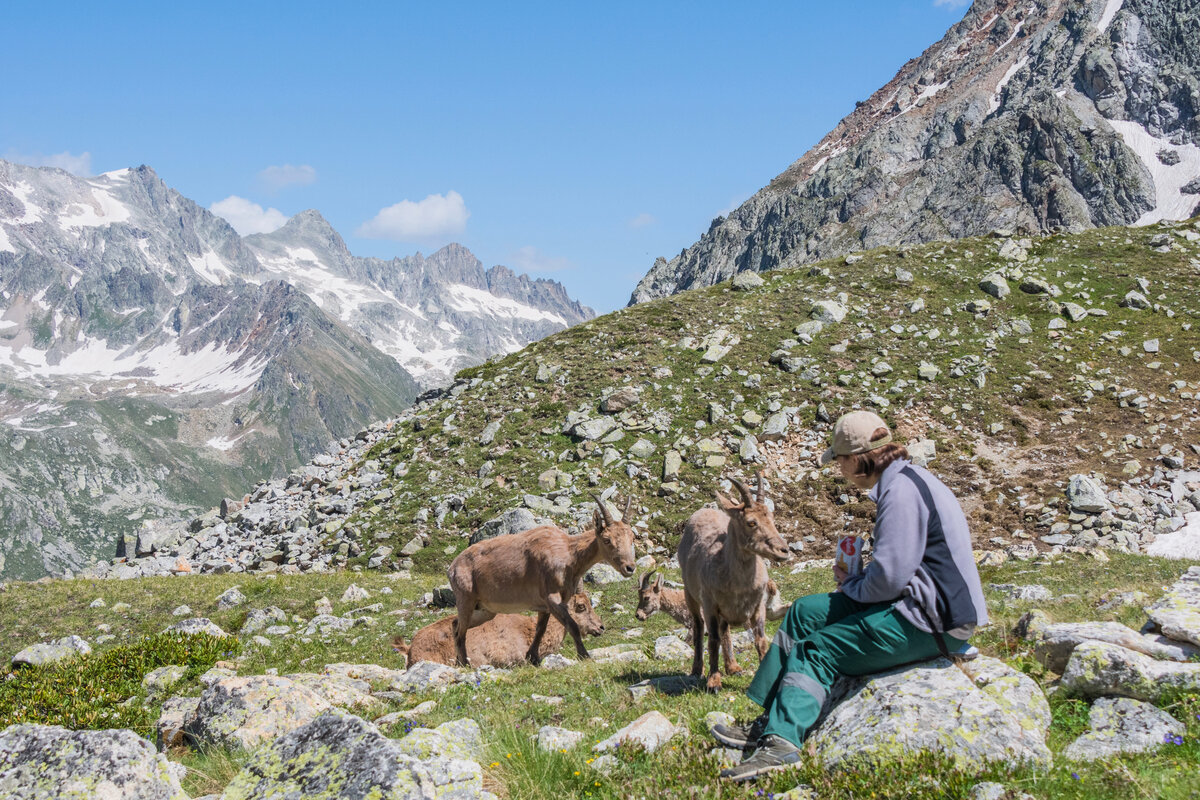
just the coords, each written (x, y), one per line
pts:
(744, 490)
(625, 513)
(608, 520)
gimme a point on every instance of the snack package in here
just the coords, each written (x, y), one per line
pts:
(849, 554)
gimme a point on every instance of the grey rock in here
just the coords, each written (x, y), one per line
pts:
(196, 626)
(995, 285)
(1177, 613)
(172, 719)
(44, 762)
(46, 653)
(620, 400)
(651, 730)
(1084, 493)
(342, 757)
(775, 428)
(670, 648)
(602, 574)
(489, 432)
(1028, 593)
(1136, 300)
(553, 739)
(1099, 669)
(515, 520)
(1122, 725)
(248, 711)
(425, 676)
(593, 429)
(746, 281)
(1054, 642)
(158, 682)
(998, 715)
(355, 594)
(230, 598)
(828, 312)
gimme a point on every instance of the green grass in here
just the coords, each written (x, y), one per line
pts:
(595, 697)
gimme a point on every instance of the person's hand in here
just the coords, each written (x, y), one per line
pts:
(839, 575)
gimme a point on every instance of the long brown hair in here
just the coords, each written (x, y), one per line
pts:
(874, 462)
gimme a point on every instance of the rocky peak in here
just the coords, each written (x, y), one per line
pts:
(1026, 116)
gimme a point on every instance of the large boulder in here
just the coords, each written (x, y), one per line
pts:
(172, 719)
(1177, 613)
(341, 757)
(460, 738)
(515, 520)
(45, 653)
(1085, 493)
(1100, 669)
(995, 715)
(245, 712)
(1053, 642)
(1121, 725)
(46, 762)
(348, 693)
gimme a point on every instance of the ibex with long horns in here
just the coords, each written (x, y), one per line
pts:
(724, 578)
(536, 570)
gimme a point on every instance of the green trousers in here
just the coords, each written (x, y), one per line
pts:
(823, 636)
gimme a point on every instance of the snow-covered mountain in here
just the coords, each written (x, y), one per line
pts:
(1028, 115)
(434, 315)
(152, 361)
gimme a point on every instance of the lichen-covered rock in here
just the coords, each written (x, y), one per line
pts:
(347, 693)
(260, 619)
(230, 598)
(1085, 493)
(651, 730)
(196, 626)
(998, 716)
(1100, 669)
(553, 740)
(175, 713)
(460, 738)
(341, 757)
(323, 624)
(46, 762)
(158, 681)
(426, 675)
(1121, 725)
(671, 647)
(44, 653)
(245, 712)
(372, 673)
(1053, 642)
(1177, 613)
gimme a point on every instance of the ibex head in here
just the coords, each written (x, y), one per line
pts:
(752, 524)
(649, 595)
(615, 537)
(580, 607)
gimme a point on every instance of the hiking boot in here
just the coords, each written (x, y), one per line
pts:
(740, 736)
(772, 753)
(964, 652)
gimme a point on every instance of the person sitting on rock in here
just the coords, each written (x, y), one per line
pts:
(919, 597)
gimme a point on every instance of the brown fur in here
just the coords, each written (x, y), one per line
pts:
(536, 570)
(724, 577)
(502, 641)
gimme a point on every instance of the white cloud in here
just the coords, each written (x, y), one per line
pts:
(80, 165)
(435, 216)
(530, 259)
(274, 178)
(247, 217)
(642, 220)
(951, 3)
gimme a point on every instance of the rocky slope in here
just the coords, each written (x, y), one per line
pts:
(152, 361)
(1026, 116)
(1011, 363)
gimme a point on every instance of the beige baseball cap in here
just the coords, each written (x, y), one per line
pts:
(852, 435)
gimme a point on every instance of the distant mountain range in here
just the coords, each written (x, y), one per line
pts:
(1029, 115)
(152, 361)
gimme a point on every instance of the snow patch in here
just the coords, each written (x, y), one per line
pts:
(33, 212)
(103, 209)
(224, 443)
(304, 254)
(210, 267)
(5, 244)
(1111, 7)
(994, 103)
(1171, 203)
(470, 300)
(1183, 543)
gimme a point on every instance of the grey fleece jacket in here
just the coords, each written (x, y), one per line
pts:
(922, 556)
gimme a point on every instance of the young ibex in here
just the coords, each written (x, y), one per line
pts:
(537, 570)
(654, 596)
(724, 580)
(502, 641)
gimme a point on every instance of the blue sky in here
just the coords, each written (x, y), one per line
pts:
(576, 142)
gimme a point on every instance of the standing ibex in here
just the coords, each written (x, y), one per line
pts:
(502, 641)
(653, 596)
(536, 570)
(724, 580)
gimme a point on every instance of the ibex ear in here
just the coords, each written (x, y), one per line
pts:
(598, 520)
(658, 583)
(726, 504)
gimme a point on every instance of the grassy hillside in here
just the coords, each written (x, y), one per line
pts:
(1021, 395)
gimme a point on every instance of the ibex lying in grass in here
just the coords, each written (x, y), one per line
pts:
(724, 580)
(653, 596)
(536, 570)
(502, 641)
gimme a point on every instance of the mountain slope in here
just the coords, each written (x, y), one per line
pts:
(1028, 115)
(1012, 363)
(433, 315)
